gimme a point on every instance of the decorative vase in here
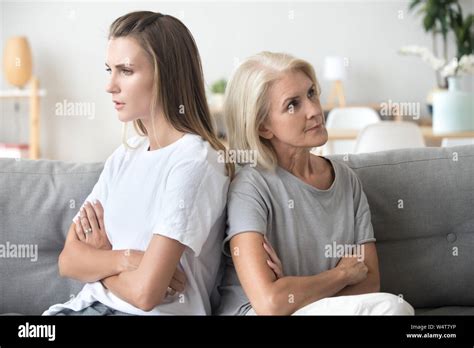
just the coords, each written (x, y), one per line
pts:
(429, 99)
(453, 110)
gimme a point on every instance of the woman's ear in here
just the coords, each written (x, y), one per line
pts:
(264, 131)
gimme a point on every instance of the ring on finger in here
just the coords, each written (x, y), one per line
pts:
(88, 230)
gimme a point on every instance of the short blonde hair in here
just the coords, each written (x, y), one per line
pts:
(246, 102)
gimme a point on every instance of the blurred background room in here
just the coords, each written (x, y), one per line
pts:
(394, 74)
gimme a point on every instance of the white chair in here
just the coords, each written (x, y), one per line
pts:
(447, 142)
(389, 135)
(348, 118)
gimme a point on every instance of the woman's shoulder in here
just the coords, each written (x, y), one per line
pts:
(134, 142)
(344, 171)
(196, 153)
(123, 151)
(128, 145)
(253, 178)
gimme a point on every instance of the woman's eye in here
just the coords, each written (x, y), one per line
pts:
(108, 70)
(292, 105)
(127, 72)
(311, 93)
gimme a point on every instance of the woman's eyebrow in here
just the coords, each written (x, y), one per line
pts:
(296, 96)
(120, 66)
(288, 99)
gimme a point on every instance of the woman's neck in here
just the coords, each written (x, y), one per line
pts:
(311, 169)
(295, 160)
(163, 133)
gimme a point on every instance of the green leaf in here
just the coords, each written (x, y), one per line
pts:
(219, 86)
(413, 4)
(428, 23)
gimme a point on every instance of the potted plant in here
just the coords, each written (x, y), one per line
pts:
(441, 17)
(216, 104)
(453, 110)
(217, 90)
(218, 87)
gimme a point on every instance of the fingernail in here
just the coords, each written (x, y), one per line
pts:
(94, 201)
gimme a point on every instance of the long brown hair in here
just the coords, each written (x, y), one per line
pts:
(178, 78)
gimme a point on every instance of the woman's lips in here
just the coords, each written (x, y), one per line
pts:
(314, 128)
(118, 105)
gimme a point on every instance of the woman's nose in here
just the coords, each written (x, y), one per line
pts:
(112, 86)
(314, 109)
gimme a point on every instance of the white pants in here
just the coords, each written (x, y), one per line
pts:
(378, 303)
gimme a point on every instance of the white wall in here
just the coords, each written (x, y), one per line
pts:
(68, 41)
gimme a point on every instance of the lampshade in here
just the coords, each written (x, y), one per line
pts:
(17, 61)
(334, 68)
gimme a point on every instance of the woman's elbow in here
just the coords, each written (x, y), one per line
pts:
(272, 304)
(147, 300)
(63, 264)
(67, 270)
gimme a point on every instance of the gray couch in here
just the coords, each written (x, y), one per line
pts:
(422, 203)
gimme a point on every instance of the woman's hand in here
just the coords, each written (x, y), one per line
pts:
(274, 262)
(132, 259)
(91, 220)
(90, 227)
(177, 283)
(355, 269)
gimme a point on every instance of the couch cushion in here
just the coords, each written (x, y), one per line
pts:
(37, 202)
(422, 203)
(415, 241)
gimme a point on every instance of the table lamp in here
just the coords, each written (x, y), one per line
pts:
(17, 66)
(335, 70)
(17, 61)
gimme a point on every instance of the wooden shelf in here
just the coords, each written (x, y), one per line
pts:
(20, 93)
(34, 94)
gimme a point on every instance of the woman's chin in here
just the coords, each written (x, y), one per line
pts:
(124, 117)
(320, 138)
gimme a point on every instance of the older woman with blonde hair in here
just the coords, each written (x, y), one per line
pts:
(290, 216)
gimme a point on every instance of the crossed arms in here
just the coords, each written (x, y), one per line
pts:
(139, 278)
(271, 293)
(142, 278)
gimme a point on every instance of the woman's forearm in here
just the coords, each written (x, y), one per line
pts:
(371, 284)
(125, 286)
(88, 264)
(288, 294)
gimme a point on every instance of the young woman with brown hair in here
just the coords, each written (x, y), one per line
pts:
(157, 215)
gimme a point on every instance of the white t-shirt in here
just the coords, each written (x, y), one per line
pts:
(178, 191)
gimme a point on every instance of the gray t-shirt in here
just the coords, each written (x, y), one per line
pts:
(306, 226)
